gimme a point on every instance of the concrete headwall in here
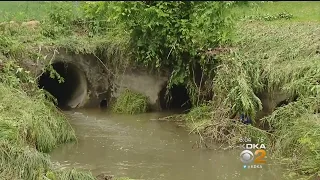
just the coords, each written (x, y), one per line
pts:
(148, 84)
(270, 100)
(96, 82)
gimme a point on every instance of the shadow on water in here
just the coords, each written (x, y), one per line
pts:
(136, 147)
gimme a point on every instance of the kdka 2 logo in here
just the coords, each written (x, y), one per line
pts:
(255, 153)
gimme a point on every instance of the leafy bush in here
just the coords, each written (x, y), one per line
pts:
(63, 19)
(130, 102)
(180, 32)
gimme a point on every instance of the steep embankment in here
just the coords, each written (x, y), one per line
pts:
(269, 56)
(274, 51)
(30, 126)
(288, 54)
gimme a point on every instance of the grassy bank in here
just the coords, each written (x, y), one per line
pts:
(273, 45)
(267, 55)
(30, 126)
(272, 56)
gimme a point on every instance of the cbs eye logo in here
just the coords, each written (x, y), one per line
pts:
(247, 156)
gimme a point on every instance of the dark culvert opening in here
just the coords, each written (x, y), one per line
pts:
(287, 101)
(104, 103)
(72, 92)
(282, 103)
(179, 99)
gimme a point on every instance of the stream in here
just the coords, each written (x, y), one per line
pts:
(140, 148)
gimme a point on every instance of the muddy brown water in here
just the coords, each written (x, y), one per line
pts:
(135, 146)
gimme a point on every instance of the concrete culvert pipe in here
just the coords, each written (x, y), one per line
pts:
(72, 92)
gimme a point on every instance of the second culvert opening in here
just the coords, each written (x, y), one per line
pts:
(72, 92)
(177, 100)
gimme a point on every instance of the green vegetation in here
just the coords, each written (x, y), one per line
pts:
(272, 45)
(30, 126)
(300, 11)
(130, 102)
(272, 56)
(33, 122)
(28, 10)
(22, 11)
(297, 132)
(267, 56)
(180, 32)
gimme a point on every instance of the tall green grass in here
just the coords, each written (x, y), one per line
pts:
(30, 126)
(302, 11)
(269, 56)
(297, 132)
(33, 120)
(130, 102)
(21, 162)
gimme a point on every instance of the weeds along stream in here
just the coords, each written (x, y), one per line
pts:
(227, 52)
